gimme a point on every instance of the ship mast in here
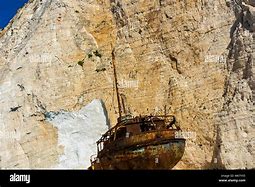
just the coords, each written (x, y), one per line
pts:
(116, 82)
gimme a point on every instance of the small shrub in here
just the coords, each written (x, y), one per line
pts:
(97, 54)
(80, 63)
(100, 69)
(89, 55)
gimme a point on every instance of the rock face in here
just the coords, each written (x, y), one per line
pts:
(193, 59)
(78, 133)
(237, 120)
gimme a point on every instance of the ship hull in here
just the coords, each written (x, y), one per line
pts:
(164, 153)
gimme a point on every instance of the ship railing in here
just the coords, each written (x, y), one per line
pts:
(111, 133)
(93, 158)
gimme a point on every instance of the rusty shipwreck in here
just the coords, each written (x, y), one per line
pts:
(141, 142)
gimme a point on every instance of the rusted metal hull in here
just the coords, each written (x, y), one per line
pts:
(154, 150)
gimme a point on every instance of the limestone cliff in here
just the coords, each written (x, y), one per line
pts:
(193, 59)
(237, 119)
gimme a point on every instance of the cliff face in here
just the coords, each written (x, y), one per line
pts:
(236, 125)
(193, 59)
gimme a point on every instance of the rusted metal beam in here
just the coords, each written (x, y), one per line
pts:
(116, 81)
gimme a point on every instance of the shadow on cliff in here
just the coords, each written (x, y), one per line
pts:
(106, 114)
(216, 162)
